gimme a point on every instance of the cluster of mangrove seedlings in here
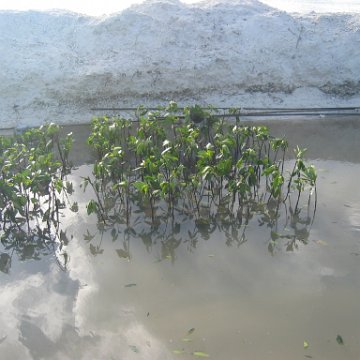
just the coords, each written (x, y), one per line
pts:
(162, 169)
(33, 186)
(194, 162)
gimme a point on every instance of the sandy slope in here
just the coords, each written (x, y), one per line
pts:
(56, 66)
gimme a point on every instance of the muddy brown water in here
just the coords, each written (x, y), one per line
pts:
(191, 294)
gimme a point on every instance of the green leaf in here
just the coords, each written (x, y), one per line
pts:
(141, 186)
(340, 340)
(178, 352)
(306, 344)
(186, 339)
(321, 242)
(58, 185)
(200, 354)
(91, 207)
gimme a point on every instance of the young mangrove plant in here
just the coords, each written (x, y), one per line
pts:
(194, 161)
(33, 185)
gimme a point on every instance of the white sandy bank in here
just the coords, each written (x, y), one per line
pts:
(55, 66)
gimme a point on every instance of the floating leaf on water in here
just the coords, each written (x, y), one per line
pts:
(321, 242)
(134, 348)
(340, 340)
(178, 352)
(191, 331)
(130, 285)
(186, 339)
(306, 344)
(200, 354)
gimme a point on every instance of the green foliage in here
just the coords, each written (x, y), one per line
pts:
(189, 159)
(33, 166)
(186, 161)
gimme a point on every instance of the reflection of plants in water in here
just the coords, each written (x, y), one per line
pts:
(164, 235)
(33, 189)
(190, 162)
(288, 228)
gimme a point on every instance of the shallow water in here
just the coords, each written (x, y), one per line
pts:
(137, 296)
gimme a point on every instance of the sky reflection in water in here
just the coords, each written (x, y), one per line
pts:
(242, 301)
